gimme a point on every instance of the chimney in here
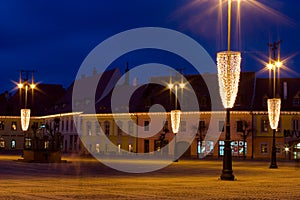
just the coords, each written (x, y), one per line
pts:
(126, 75)
(285, 90)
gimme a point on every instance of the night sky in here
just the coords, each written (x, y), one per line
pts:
(54, 37)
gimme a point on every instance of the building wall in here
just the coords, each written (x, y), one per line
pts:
(264, 134)
(11, 134)
(83, 133)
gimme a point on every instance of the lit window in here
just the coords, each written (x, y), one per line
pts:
(264, 125)
(14, 126)
(221, 148)
(2, 143)
(264, 148)
(13, 144)
(2, 125)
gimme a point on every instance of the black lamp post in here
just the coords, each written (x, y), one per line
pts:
(228, 63)
(274, 104)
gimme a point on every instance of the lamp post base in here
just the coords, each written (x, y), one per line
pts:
(227, 175)
(273, 164)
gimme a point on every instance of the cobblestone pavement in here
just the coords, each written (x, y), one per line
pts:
(188, 179)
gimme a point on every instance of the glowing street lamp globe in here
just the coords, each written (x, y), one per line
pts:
(274, 112)
(228, 63)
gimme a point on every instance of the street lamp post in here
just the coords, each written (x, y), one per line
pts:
(175, 115)
(24, 84)
(274, 104)
(228, 63)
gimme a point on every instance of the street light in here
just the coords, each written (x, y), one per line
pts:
(228, 64)
(24, 84)
(274, 104)
(175, 114)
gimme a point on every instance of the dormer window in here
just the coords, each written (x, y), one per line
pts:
(265, 100)
(296, 99)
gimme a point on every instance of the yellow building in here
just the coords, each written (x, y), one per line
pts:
(11, 134)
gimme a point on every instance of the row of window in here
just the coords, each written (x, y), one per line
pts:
(13, 125)
(12, 144)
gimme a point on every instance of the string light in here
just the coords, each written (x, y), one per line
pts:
(25, 118)
(175, 119)
(274, 112)
(228, 63)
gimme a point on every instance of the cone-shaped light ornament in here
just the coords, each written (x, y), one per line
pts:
(25, 118)
(274, 112)
(175, 120)
(229, 69)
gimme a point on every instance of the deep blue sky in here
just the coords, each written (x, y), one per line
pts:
(53, 37)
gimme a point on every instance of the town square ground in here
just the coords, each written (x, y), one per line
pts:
(87, 178)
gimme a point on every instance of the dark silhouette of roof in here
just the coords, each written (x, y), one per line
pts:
(43, 96)
(288, 93)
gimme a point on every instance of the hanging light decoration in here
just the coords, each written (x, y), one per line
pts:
(274, 112)
(175, 120)
(229, 69)
(25, 118)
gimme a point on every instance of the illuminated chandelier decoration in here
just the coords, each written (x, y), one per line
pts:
(25, 119)
(228, 63)
(274, 111)
(175, 120)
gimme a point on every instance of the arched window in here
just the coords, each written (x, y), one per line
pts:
(296, 99)
(13, 144)
(119, 127)
(89, 128)
(2, 143)
(107, 127)
(295, 124)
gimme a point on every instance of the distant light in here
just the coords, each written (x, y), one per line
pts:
(170, 85)
(32, 86)
(278, 64)
(182, 85)
(270, 66)
(287, 149)
(20, 85)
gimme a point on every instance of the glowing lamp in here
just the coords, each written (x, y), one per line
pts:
(181, 85)
(25, 118)
(20, 85)
(170, 85)
(270, 66)
(278, 64)
(32, 86)
(274, 112)
(175, 120)
(228, 63)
